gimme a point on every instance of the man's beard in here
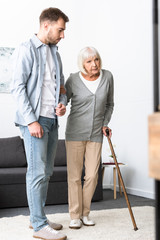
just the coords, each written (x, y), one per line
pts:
(53, 41)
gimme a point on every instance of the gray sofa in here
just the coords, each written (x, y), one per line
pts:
(13, 168)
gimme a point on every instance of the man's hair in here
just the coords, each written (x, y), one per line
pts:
(52, 14)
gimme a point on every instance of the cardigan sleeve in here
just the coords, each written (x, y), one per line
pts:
(109, 103)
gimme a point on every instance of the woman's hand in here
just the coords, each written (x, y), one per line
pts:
(104, 131)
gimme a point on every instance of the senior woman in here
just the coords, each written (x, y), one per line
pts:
(91, 93)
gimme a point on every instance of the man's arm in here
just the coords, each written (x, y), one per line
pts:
(62, 90)
(61, 108)
(22, 66)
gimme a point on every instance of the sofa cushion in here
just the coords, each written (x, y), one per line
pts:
(18, 175)
(13, 175)
(60, 159)
(59, 174)
(12, 153)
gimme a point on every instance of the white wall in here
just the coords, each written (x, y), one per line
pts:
(122, 32)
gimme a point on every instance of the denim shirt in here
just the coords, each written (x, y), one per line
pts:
(29, 61)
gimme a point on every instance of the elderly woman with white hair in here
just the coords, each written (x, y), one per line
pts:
(91, 93)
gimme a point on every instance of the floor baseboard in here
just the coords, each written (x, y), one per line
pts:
(133, 191)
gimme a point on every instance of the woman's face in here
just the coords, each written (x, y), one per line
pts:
(92, 65)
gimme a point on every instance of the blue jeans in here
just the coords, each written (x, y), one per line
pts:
(40, 154)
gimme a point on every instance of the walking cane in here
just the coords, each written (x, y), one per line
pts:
(121, 181)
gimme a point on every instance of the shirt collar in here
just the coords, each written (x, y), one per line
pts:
(36, 41)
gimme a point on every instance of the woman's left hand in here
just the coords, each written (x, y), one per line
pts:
(104, 131)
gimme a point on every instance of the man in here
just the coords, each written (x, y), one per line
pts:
(37, 86)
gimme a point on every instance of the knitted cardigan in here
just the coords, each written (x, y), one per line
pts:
(89, 112)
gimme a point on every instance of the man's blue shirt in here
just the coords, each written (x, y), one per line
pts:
(29, 61)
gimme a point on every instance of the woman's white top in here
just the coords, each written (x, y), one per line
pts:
(91, 85)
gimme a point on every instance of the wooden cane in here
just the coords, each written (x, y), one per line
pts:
(121, 180)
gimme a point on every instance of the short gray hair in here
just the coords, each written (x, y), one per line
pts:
(86, 53)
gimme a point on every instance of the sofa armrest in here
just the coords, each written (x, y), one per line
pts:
(12, 153)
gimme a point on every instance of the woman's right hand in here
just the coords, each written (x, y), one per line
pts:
(104, 131)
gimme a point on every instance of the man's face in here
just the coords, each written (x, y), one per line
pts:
(55, 31)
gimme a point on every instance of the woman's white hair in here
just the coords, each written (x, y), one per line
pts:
(85, 53)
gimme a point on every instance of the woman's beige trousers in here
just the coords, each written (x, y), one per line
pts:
(80, 197)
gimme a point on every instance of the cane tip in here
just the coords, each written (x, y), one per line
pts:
(135, 229)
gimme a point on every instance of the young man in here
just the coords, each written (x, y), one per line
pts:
(37, 87)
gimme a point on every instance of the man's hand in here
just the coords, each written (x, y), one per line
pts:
(60, 109)
(35, 130)
(104, 131)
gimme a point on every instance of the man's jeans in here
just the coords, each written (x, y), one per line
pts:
(40, 154)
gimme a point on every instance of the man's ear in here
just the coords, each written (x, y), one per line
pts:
(45, 25)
